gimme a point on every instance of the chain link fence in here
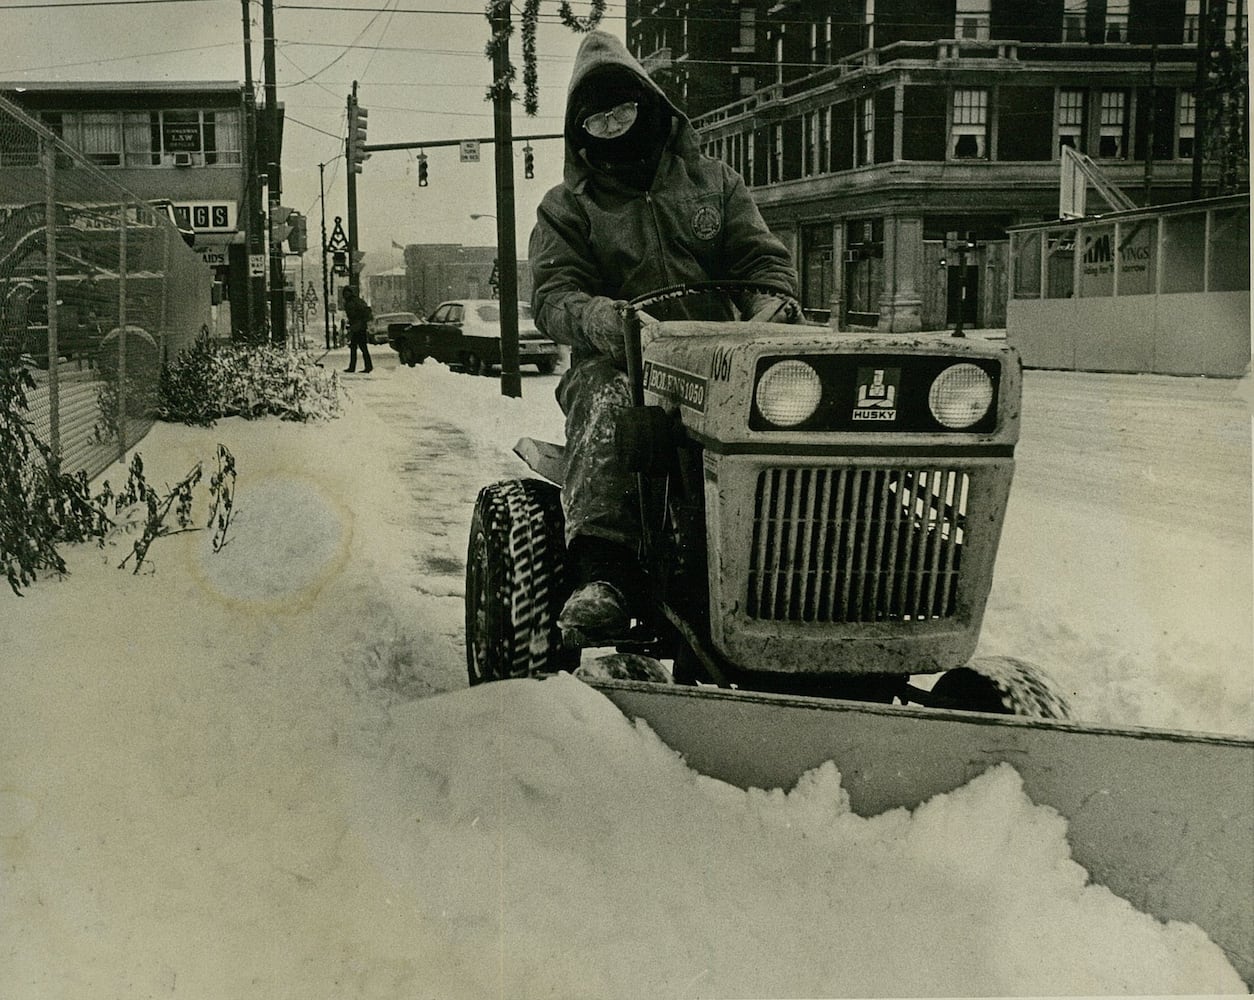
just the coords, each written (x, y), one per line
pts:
(98, 288)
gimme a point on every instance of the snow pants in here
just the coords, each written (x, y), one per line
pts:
(599, 496)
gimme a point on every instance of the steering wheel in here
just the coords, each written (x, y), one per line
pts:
(641, 302)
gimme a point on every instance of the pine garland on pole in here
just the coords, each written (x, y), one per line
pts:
(530, 20)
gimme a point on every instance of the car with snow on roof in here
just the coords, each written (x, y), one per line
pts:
(466, 334)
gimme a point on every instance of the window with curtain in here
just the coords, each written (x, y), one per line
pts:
(1116, 20)
(1071, 118)
(1112, 142)
(1187, 119)
(137, 139)
(102, 137)
(970, 124)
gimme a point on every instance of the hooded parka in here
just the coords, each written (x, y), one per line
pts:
(598, 234)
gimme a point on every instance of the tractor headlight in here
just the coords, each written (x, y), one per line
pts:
(788, 393)
(960, 395)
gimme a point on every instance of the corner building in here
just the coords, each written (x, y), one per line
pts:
(874, 133)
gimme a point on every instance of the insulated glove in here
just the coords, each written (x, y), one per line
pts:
(605, 326)
(773, 309)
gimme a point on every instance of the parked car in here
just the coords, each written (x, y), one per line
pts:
(380, 324)
(466, 333)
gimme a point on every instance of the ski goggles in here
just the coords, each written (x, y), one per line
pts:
(617, 120)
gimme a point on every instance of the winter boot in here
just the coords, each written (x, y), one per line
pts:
(606, 577)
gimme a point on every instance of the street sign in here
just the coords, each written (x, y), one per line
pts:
(469, 150)
(256, 265)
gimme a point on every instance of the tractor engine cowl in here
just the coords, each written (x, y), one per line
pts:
(855, 488)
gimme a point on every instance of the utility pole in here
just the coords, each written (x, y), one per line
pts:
(254, 217)
(506, 253)
(278, 313)
(1149, 136)
(354, 156)
(326, 289)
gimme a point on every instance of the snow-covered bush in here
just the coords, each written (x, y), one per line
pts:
(41, 507)
(213, 379)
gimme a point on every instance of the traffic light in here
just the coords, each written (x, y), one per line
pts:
(422, 170)
(298, 234)
(281, 223)
(529, 162)
(357, 116)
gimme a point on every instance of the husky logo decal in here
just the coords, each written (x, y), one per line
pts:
(706, 222)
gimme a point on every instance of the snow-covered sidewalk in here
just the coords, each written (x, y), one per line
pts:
(259, 773)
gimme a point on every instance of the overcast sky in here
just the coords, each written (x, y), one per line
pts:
(421, 72)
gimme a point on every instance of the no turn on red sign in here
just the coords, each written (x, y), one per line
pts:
(468, 150)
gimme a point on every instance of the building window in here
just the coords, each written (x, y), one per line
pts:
(1188, 120)
(810, 134)
(970, 124)
(1075, 20)
(1071, 118)
(1192, 19)
(748, 28)
(97, 135)
(1116, 20)
(825, 142)
(152, 138)
(866, 131)
(1234, 27)
(747, 86)
(1112, 139)
(971, 19)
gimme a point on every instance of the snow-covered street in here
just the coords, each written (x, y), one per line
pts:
(259, 773)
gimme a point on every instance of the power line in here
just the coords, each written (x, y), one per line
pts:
(49, 4)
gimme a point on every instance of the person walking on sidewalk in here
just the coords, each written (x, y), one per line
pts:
(640, 208)
(359, 315)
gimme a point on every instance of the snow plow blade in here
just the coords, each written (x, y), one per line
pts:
(1164, 819)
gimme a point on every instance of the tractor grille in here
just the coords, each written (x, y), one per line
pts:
(856, 544)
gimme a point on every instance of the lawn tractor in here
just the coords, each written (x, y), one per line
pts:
(820, 515)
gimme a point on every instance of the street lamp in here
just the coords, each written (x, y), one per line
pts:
(481, 215)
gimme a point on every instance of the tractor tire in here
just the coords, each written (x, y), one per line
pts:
(1003, 685)
(516, 583)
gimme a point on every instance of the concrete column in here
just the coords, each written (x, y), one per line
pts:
(836, 304)
(901, 306)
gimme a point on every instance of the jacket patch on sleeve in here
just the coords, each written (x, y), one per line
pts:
(706, 222)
